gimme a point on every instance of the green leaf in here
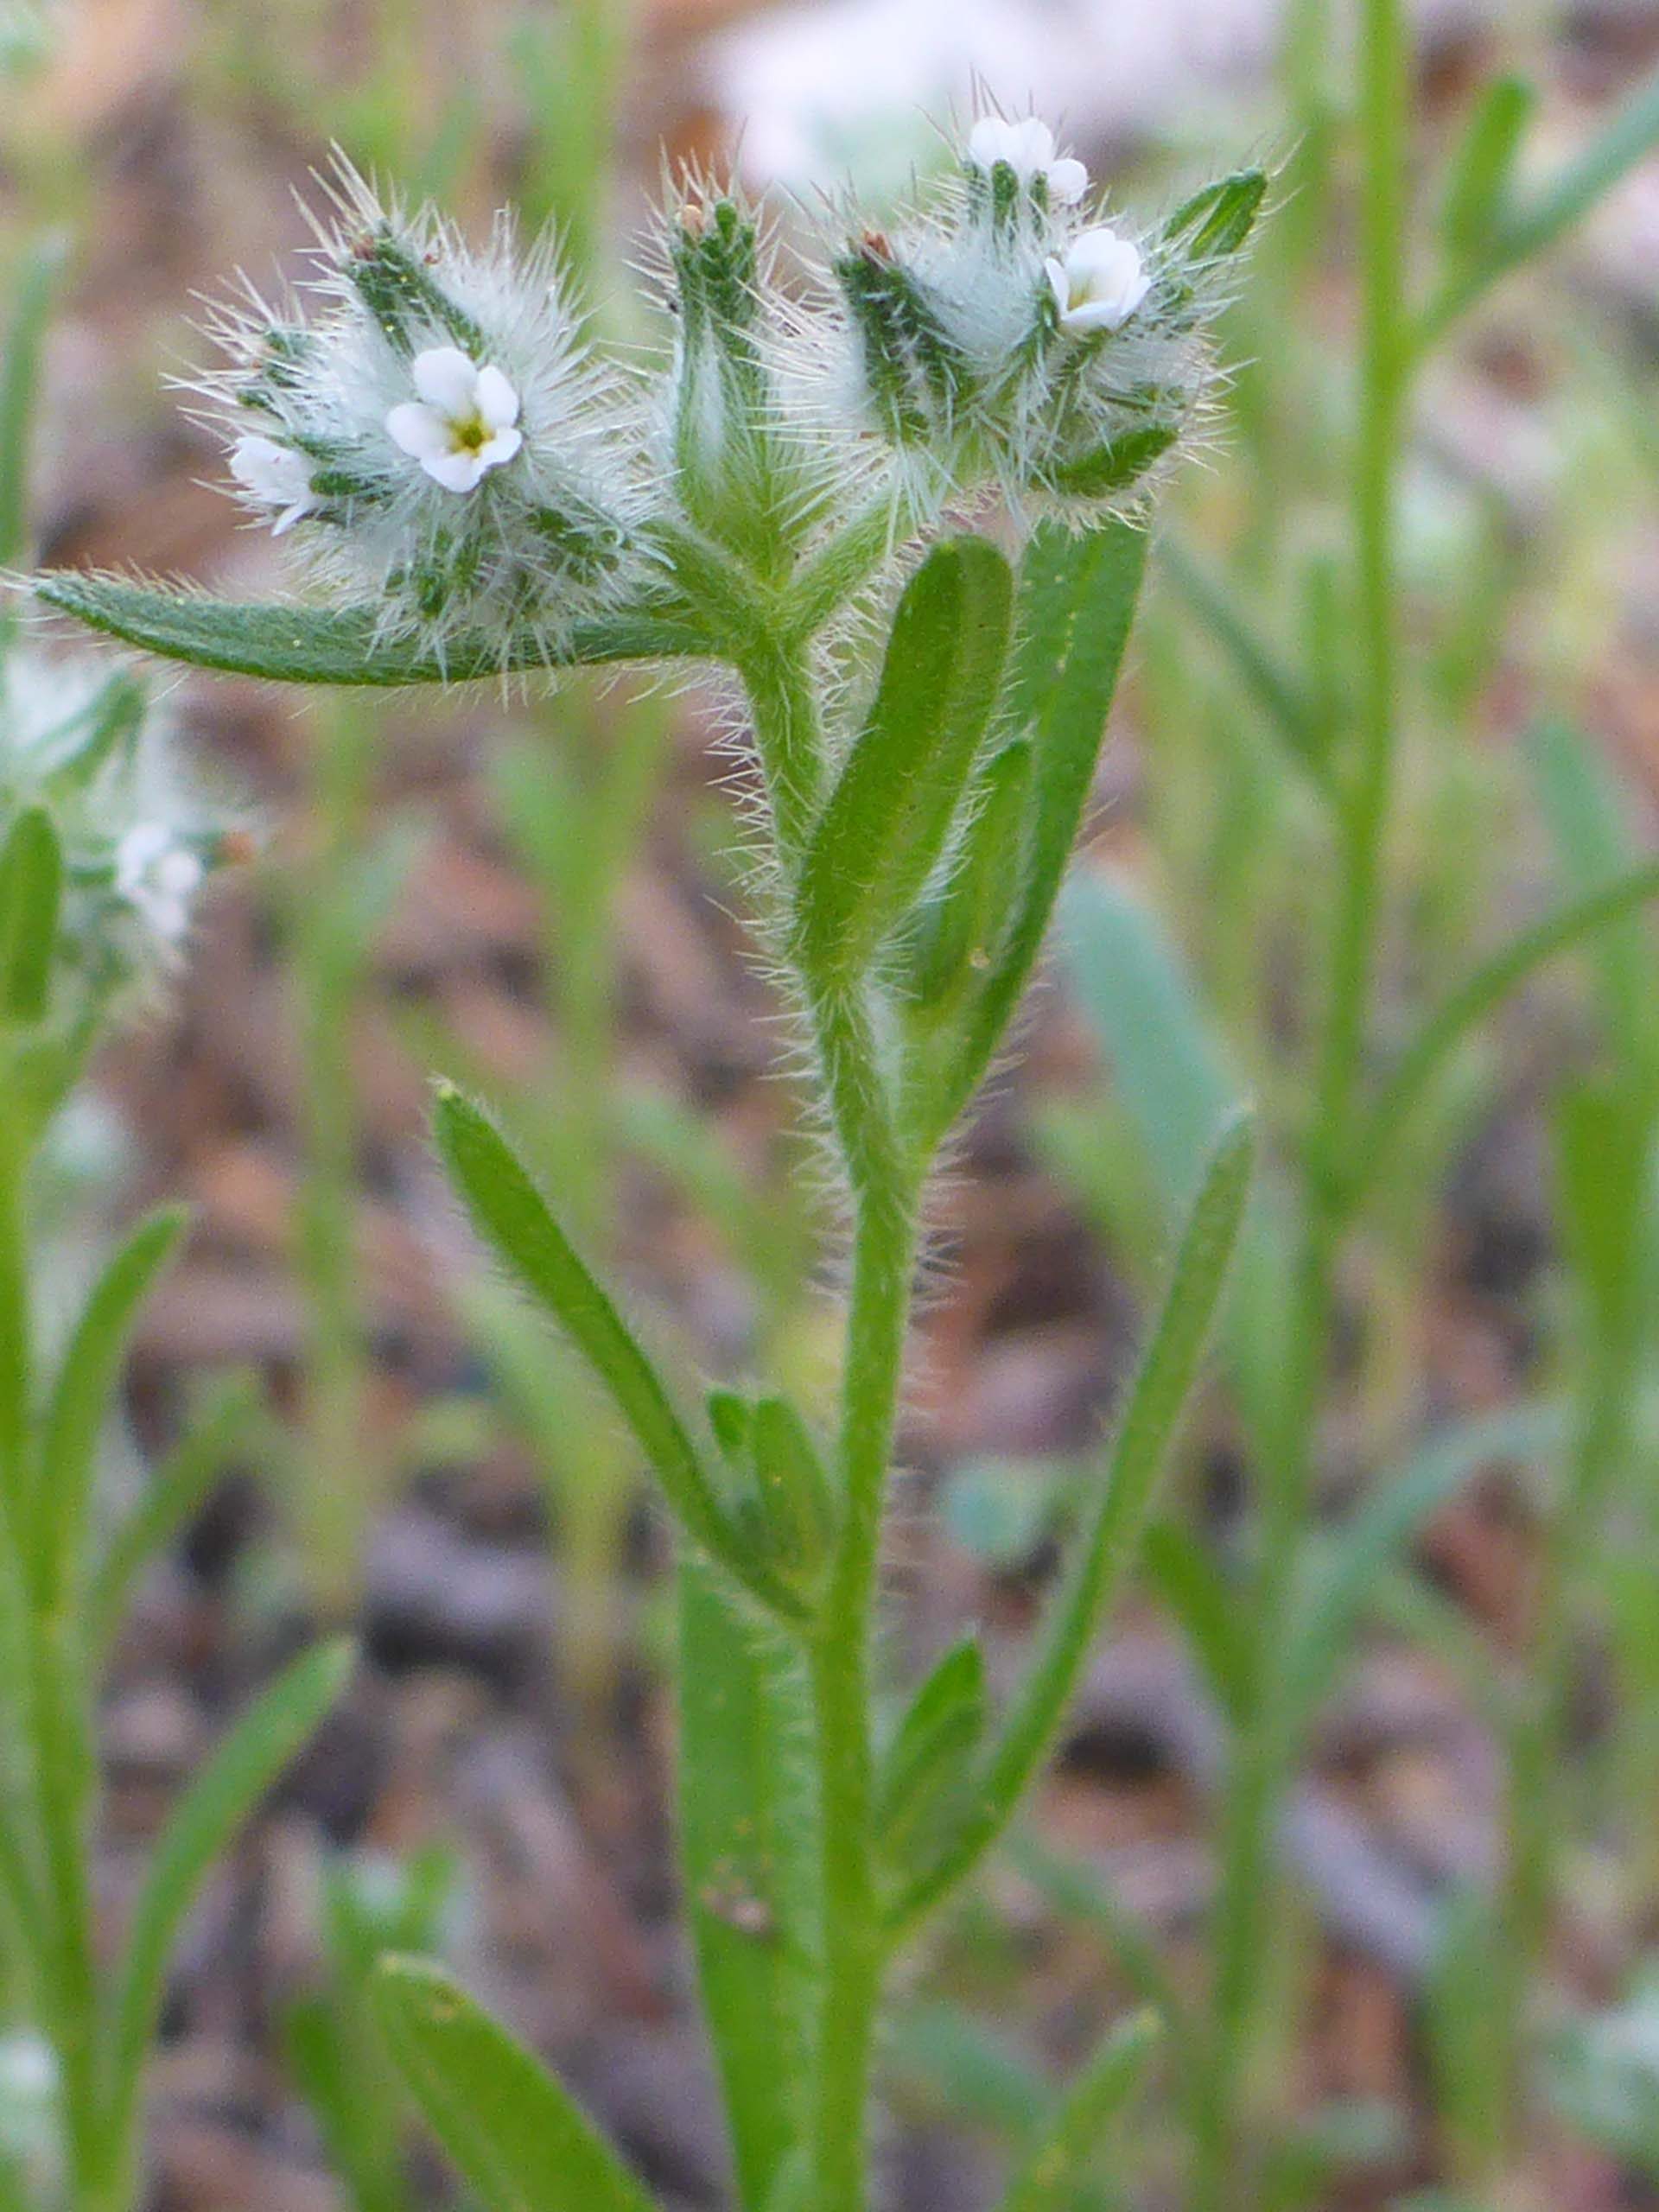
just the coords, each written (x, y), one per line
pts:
(794, 1488)
(224, 1792)
(749, 1849)
(31, 892)
(1478, 187)
(81, 1397)
(513, 1218)
(926, 1766)
(1494, 981)
(959, 932)
(1288, 711)
(1206, 1605)
(1107, 1544)
(303, 644)
(33, 291)
(358, 2130)
(1318, 1637)
(516, 2135)
(1077, 602)
(172, 1494)
(886, 823)
(1217, 221)
(1604, 1142)
(1060, 2157)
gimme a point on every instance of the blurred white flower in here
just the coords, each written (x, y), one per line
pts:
(1101, 282)
(1027, 147)
(277, 477)
(464, 421)
(158, 877)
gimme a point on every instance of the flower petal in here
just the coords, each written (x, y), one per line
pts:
(445, 380)
(419, 430)
(496, 400)
(1068, 181)
(1059, 285)
(499, 447)
(456, 472)
(1031, 146)
(988, 142)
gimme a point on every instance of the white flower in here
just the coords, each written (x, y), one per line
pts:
(1027, 147)
(464, 421)
(277, 476)
(1100, 283)
(157, 876)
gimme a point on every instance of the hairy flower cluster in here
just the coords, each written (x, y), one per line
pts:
(433, 426)
(438, 431)
(137, 836)
(1012, 336)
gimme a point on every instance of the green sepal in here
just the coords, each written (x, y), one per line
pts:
(1115, 467)
(915, 373)
(1217, 221)
(886, 823)
(31, 897)
(401, 293)
(346, 645)
(926, 1769)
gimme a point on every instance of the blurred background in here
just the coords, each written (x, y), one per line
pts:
(537, 896)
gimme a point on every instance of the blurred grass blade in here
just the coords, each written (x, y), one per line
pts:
(1057, 2162)
(1481, 172)
(304, 645)
(83, 1394)
(1105, 1549)
(1318, 1639)
(1276, 691)
(199, 1832)
(749, 1850)
(1077, 602)
(513, 1218)
(32, 293)
(172, 1495)
(1485, 990)
(515, 2134)
(31, 894)
(1603, 1143)
(886, 823)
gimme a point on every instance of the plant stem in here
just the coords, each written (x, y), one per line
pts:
(854, 1947)
(1264, 1744)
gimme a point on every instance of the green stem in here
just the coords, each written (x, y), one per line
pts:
(852, 1937)
(1265, 1745)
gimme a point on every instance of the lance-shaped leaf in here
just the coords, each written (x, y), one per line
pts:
(224, 1792)
(84, 1391)
(1059, 2160)
(926, 1766)
(306, 644)
(1106, 1546)
(749, 1846)
(1077, 602)
(886, 821)
(513, 1218)
(517, 2137)
(31, 892)
(958, 933)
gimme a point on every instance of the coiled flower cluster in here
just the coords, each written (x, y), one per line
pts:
(439, 431)
(91, 767)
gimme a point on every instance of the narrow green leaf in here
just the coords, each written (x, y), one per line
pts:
(886, 823)
(749, 1849)
(174, 1492)
(1106, 1548)
(513, 1218)
(1318, 1639)
(959, 932)
(224, 1792)
(1216, 222)
(1058, 2161)
(1494, 981)
(1077, 602)
(31, 892)
(794, 1487)
(33, 291)
(1284, 703)
(1604, 1142)
(1478, 187)
(1206, 1607)
(303, 644)
(516, 2135)
(926, 1764)
(82, 1395)
(360, 2134)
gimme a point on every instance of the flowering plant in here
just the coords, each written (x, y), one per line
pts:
(481, 492)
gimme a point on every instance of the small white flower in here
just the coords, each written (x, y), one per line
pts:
(1100, 283)
(158, 877)
(464, 421)
(1027, 147)
(277, 476)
